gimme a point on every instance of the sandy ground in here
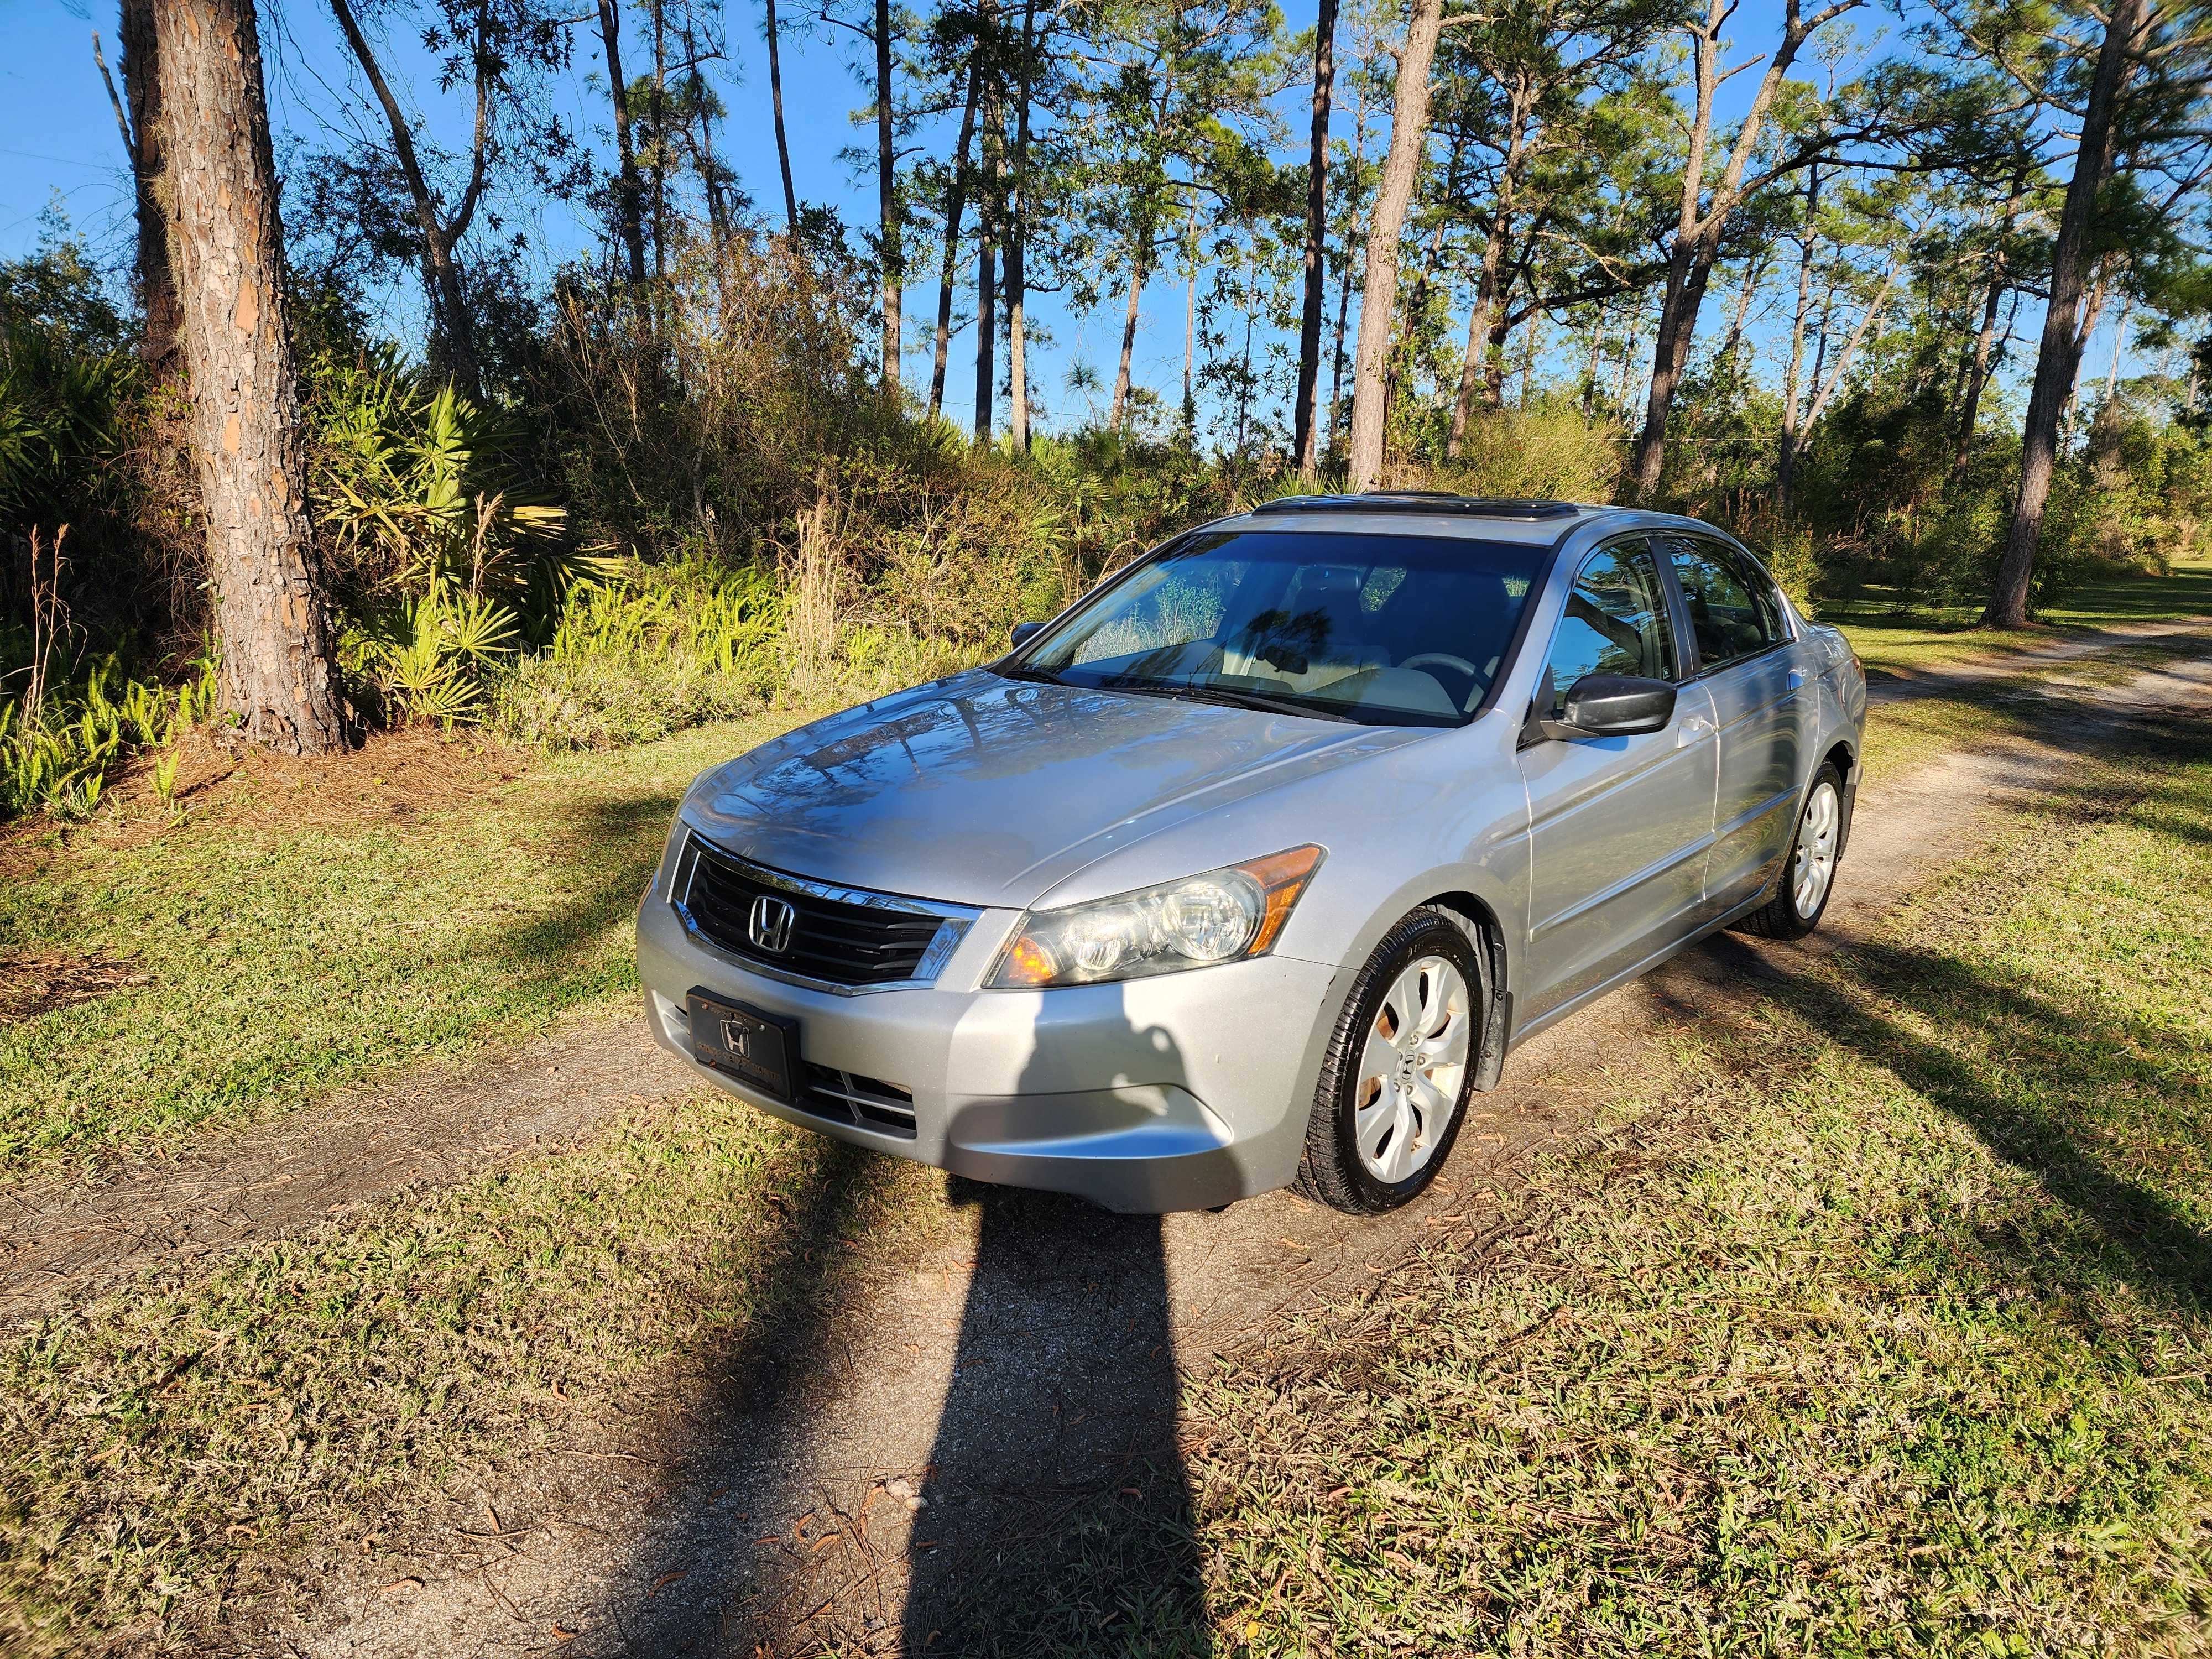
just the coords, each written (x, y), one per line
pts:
(1012, 1361)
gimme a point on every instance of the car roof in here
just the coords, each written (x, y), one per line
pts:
(1526, 521)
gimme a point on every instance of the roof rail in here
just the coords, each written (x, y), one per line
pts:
(1423, 500)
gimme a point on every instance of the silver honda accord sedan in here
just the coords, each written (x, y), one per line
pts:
(1252, 865)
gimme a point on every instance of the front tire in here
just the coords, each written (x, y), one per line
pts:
(1400, 1066)
(1807, 879)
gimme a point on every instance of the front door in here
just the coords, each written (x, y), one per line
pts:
(1617, 827)
(1745, 662)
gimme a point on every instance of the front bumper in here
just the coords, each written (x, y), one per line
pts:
(1179, 1091)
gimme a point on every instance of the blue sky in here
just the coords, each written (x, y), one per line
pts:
(59, 147)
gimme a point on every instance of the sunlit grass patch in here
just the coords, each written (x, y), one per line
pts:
(1887, 1333)
(276, 960)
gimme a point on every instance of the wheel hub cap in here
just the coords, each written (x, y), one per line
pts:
(1411, 1069)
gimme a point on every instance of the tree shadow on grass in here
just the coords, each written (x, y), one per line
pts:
(2028, 1076)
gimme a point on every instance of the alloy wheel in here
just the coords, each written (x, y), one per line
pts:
(1411, 1070)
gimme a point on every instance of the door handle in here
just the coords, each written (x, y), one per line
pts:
(1690, 730)
(1796, 680)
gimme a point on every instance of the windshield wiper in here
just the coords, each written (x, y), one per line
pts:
(1235, 699)
(1024, 671)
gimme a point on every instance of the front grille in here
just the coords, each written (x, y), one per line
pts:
(853, 939)
(865, 1101)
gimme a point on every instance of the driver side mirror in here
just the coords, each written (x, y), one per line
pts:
(1607, 706)
(1024, 633)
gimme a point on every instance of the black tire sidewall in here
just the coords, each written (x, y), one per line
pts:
(1424, 932)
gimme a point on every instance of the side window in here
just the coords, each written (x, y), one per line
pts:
(1769, 596)
(1615, 623)
(1727, 617)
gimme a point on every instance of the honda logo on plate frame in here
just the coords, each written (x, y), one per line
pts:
(769, 926)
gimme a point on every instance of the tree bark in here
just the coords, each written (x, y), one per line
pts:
(2058, 357)
(1307, 416)
(659, 137)
(987, 266)
(223, 232)
(456, 337)
(1190, 330)
(142, 87)
(887, 209)
(1017, 373)
(1379, 292)
(783, 140)
(956, 204)
(1786, 454)
(1978, 372)
(626, 216)
(1117, 413)
(1336, 353)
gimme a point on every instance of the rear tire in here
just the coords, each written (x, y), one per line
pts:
(1399, 1068)
(1808, 877)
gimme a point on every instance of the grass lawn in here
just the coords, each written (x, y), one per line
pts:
(285, 944)
(1886, 1333)
(1891, 641)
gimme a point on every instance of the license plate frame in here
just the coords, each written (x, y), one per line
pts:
(758, 1048)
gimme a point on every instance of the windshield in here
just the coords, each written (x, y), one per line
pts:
(1390, 630)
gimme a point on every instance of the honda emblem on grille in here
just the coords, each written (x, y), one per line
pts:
(770, 925)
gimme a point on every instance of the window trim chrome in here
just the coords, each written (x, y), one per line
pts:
(953, 919)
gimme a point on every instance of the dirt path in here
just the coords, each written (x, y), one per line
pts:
(1006, 1376)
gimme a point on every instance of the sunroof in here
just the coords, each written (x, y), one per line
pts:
(1423, 500)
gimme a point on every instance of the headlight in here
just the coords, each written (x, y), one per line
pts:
(1223, 915)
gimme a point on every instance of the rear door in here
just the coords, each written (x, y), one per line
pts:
(1741, 640)
(1618, 827)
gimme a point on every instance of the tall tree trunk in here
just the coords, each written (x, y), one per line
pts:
(2093, 309)
(1976, 377)
(1190, 330)
(1470, 373)
(2058, 357)
(659, 137)
(455, 335)
(1481, 323)
(1378, 290)
(626, 187)
(1018, 368)
(887, 209)
(1785, 460)
(2119, 347)
(1307, 414)
(710, 170)
(227, 245)
(956, 203)
(1697, 236)
(987, 263)
(1117, 413)
(142, 86)
(783, 140)
(1336, 353)
(1532, 347)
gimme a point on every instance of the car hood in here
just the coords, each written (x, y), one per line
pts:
(980, 790)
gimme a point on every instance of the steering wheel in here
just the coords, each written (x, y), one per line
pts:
(1445, 660)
